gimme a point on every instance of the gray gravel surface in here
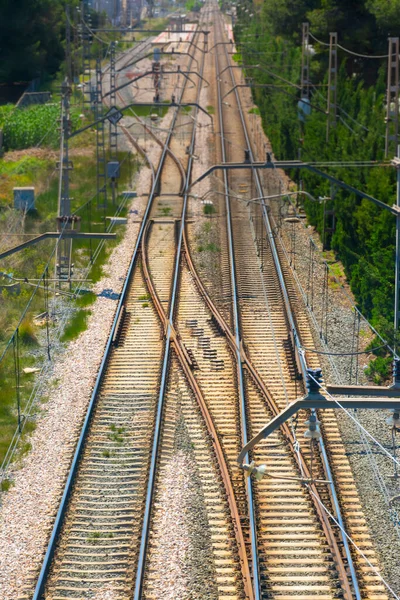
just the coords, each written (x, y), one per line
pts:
(28, 509)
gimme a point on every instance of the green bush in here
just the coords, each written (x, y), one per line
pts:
(379, 369)
(77, 324)
(32, 126)
(26, 333)
(364, 236)
(5, 112)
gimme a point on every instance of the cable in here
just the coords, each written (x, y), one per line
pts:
(379, 56)
(317, 40)
(377, 573)
(359, 425)
(362, 55)
(315, 351)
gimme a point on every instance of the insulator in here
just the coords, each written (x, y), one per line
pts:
(252, 469)
(313, 432)
(396, 371)
(394, 419)
(314, 379)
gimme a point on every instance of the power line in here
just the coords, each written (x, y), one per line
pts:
(378, 56)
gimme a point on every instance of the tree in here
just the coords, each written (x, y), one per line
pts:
(31, 38)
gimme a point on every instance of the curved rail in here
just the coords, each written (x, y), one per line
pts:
(185, 363)
(236, 323)
(59, 520)
(173, 341)
(330, 535)
(273, 407)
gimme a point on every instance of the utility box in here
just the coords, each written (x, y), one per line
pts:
(156, 55)
(113, 169)
(24, 198)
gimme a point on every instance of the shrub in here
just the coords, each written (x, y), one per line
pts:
(26, 333)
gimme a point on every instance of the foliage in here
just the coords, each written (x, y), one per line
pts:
(27, 334)
(378, 369)
(31, 34)
(193, 5)
(363, 25)
(364, 238)
(5, 113)
(76, 325)
(32, 37)
(24, 128)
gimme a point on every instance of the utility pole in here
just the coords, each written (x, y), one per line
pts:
(396, 164)
(68, 42)
(113, 101)
(65, 221)
(156, 68)
(392, 98)
(332, 84)
(305, 62)
(86, 55)
(101, 178)
(113, 166)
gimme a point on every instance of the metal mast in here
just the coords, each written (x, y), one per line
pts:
(332, 84)
(392, 99)
(305, 62)
(101, 177)
(65, 221)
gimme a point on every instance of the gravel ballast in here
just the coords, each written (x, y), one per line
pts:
(29, 507)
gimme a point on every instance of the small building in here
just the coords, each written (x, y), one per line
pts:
(24, 198)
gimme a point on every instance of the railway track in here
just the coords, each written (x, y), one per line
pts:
(186, 380)
(291, 530)
(91, 545)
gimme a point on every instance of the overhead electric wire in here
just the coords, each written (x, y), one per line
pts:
(378, 56)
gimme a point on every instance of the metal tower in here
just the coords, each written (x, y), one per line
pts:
(100, 141)
(332, 84)
(305, 62)
(392, 98)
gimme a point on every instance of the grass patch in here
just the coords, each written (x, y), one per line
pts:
(116, 434)
(85, 299)
(6, 484)
(94, 536)
(209, 209)
(254, 111)
(26, 333)
(210, 109)
(37, 168)
(77, 324)
(144, 297)
(165, 210)
(146, 111)
(211, 247)
(145, 305)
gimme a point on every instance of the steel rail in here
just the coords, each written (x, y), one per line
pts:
(59, 521)
(237, 333)
(141, 562)
(161, 144)
(173, 341)
(156, 139)
(302, 361)
(186, 365)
